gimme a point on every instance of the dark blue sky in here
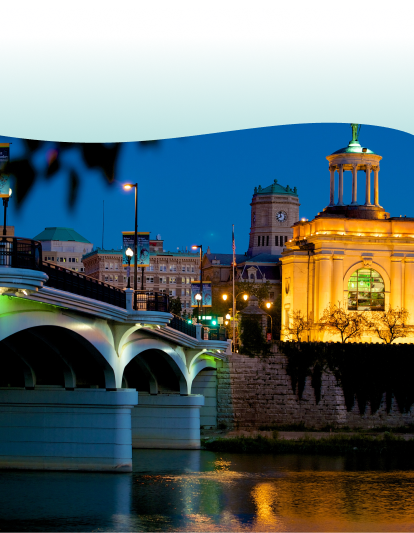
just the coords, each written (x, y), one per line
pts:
(191, 190)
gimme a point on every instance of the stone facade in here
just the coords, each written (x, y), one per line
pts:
(252, 392)
(321, 263)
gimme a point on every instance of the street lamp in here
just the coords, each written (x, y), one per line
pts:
(5, 204)
(198, 297)
(268, 305)
(194, 247)
(127, 187)
(129, 253)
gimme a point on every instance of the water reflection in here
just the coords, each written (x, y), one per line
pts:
(202, 491)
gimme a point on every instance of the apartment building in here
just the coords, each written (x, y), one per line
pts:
(169, 272)
(64, 246)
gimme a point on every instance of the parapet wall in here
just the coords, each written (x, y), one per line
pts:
(253, 392)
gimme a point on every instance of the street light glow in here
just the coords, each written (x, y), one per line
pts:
(245, 297)
(224, 297)
(197, 296)
(128, 186)
(268, 305)
(228, 316)
(129, 252)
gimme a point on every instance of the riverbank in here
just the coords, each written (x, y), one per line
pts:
(317, 444)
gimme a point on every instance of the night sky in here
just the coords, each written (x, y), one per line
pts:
(191, 190)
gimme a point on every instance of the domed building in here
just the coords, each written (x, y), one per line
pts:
(354, 254)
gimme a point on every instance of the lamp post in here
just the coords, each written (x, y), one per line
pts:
(245, 298)
(194, 247)
(129, 253)
(268, 305)
(198, 297)
(5, 205)
(127, 187)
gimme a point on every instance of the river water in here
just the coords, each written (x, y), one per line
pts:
(173, 490)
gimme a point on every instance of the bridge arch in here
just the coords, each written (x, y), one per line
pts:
(87, 330)
(52, 356)
(154, 358)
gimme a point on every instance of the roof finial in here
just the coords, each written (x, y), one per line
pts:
(355, 132)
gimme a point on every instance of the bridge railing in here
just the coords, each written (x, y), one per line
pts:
(152, 301)
(219, 334)
(77, 283)
(182, 325)
(18, 252)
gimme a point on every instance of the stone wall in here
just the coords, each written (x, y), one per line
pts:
(252, 392)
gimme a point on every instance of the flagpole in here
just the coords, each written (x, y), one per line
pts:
(234, 295)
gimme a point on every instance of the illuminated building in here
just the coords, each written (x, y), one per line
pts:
(354, 254)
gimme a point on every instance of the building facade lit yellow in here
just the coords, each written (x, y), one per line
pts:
(353, 254)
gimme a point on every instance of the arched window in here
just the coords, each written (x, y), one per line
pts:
(366, 291)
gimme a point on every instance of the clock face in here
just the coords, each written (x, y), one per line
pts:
(281, 216)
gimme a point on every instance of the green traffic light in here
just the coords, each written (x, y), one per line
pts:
(214, 322)
(189, 321)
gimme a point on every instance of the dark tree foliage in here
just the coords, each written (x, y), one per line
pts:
(175, 305)
(252, 338)
(365, 372)
(94, 156)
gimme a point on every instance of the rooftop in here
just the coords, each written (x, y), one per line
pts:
(60, 234)
(276, 188)
(353, 146)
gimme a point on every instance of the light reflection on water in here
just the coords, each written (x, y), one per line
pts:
(173, 490)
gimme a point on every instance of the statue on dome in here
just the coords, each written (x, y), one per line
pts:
(355, 132)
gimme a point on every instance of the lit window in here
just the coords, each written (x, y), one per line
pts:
(116, 278)
(173, 280)
(366, 291)
(187, 292)
(111, 278)
(77, 259)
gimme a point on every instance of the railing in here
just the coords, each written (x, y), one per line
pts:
(182, 325)
(77, 283)
(219, 334)
(152, 301)
(18, 252)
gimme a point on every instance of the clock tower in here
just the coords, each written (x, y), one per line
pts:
(274, 211)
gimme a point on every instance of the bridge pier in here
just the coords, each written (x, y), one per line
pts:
(167, 421)
(56, 429)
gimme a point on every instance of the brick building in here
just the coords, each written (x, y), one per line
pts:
(169, 272)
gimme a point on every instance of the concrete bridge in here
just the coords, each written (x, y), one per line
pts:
(86, 374)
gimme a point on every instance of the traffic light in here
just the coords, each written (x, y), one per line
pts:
(214, 322)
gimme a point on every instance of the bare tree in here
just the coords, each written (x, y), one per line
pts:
(391, 324)
(348, 324)
(298, 324)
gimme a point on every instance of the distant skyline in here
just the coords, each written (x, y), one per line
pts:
(192, 189)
